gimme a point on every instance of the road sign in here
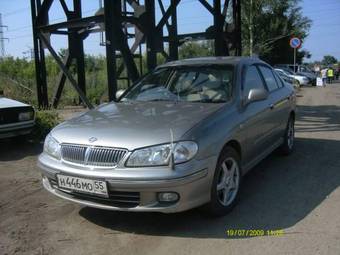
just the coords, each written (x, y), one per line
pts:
(295, 42)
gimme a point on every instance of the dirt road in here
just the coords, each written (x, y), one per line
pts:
(299, 194)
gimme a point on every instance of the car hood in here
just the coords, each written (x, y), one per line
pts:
(297, 76)
(308, 75)
(8, 103)
(133, 125)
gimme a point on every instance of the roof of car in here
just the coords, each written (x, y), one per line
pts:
(211, 60)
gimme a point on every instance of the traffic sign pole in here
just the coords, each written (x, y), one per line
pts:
(295, 43)
(294, 60)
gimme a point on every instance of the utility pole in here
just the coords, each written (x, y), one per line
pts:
(2, 38)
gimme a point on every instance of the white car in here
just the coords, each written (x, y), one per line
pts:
(16, 118)
(301, 80)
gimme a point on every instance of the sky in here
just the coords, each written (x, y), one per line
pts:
(323, 39)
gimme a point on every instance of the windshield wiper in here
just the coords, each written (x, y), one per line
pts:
(161, 99)
(126, 100)
(210, 101)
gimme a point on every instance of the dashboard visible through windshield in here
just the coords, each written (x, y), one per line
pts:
(205, 84)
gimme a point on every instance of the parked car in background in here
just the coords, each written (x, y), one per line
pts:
(301, 70)
(180, 138)
(296, 68)
(310, 76)
(285, 77)
(300, 80)
(16, 118)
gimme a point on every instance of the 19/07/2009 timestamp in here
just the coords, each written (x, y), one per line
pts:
(253, 232)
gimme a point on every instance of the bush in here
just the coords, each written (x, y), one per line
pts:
(44, 122)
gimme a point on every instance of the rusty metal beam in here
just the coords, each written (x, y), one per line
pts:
(65, 71)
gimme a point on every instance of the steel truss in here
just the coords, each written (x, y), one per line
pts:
(117, 19)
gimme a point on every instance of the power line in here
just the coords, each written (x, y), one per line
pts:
(324, 12)
(326, 24)
(21, 36)
(27, 27)
(15, 12)
(86, 12)
(53, 20)
(324, 3)
(19, 28)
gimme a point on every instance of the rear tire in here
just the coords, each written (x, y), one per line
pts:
(287, 146)
(226, 184)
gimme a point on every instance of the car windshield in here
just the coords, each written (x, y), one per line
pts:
(280, 72)
(288, 72)
(207, 84)
(306, 69)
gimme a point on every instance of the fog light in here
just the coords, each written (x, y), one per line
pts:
(168, 197)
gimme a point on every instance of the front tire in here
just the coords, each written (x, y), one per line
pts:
(297, 84)
(226, 184)
(287, 146)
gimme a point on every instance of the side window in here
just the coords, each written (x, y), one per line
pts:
(278, 79)
(252, 80)
(269, 78)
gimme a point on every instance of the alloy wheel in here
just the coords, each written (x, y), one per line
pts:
(290, 134)
(228, 181)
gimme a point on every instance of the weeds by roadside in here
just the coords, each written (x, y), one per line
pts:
(44, 122)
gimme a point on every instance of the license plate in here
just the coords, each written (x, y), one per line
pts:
(82, 185)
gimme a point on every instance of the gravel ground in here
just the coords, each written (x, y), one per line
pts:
(298, 194)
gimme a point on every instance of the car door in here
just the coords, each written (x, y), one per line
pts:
(256, 116)
(277, 104)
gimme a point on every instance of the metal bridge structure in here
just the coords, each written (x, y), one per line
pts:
(130, 29)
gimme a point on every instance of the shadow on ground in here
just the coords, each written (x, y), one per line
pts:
(277, 194)
(323, 118)
(12, 149)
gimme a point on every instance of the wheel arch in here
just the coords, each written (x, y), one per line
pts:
(233, 144)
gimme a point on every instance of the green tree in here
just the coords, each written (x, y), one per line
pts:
(196, 49)
(268, 25)
(329, 60)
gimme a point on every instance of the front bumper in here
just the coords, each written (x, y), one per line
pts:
(16, 129)
(304, 82)
(140, 193)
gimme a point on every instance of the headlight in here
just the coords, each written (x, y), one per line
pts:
(24, 116)
(52, 147)
(160, 155)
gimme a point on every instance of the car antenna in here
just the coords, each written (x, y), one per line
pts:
(172, 159)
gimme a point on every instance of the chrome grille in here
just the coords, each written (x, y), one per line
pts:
(73, 153)
(92, 155)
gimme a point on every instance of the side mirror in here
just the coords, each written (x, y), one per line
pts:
(119, 93)
(256, 95)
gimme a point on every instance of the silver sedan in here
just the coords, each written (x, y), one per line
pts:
(182, 137)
